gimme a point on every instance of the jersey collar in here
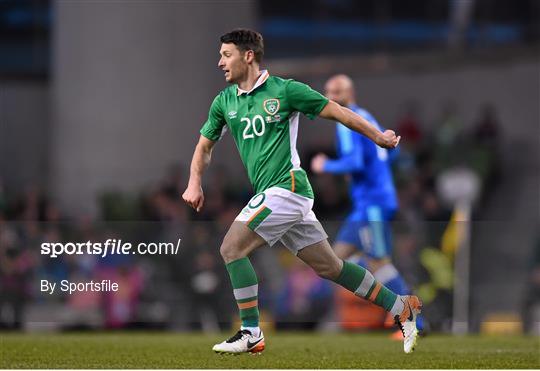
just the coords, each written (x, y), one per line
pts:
(260, 81)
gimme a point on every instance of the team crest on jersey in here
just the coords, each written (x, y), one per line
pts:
(271, 106)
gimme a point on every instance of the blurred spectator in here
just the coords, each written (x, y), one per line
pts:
(304, 300)
(447, 137)
(120, 307)
(487, 128)
(531, 306)
(331, 197)
(449, 126)
(408, 126)
(206, 280)
(3, 199)
(485, 155)
(173, 182)
(16, 264)
(207, 286)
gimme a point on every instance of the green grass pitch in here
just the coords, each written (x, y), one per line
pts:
(284, 350)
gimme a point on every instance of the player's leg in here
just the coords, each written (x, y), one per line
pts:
(320, 256)
(356, 279)
(266, 217)
(238, 243)
(362, 283)
(387, 274)
(357, 236)
(308, 241)
(383, 269)
(368, 230)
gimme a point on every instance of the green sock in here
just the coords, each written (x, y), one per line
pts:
(245, 285)
(362, 283)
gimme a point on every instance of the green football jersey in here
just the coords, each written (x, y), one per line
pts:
(264, 125)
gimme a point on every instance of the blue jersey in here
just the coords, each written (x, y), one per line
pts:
(368, 165)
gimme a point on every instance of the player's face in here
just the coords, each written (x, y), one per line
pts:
(232, 62)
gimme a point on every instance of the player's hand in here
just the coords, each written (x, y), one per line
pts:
(317, 163)
(388, 139)
(194, 197)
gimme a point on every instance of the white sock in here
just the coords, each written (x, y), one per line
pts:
(398, 306)
(255, 331)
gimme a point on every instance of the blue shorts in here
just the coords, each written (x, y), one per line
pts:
(369, 229)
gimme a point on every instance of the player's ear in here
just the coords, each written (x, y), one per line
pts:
(249, 56)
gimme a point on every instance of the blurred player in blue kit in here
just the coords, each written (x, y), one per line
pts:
(367, 228)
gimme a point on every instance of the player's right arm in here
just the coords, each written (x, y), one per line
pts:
(194, 195)
(211, 132)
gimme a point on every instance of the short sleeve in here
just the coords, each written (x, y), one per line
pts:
(214, 126)
(304, 99)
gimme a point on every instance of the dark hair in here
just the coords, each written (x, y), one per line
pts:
(245, 40)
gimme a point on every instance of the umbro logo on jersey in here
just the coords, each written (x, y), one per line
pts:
(232, 114)
(271, 106)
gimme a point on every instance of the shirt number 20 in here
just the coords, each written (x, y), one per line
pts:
(255, 126)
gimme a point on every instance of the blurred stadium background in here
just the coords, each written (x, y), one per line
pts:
(100, 107)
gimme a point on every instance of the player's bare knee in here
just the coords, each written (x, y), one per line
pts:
(229, 252)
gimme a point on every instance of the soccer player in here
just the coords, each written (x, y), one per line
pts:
(367, 228)
(261, 112)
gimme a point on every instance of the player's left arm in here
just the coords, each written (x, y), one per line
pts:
(336, 112)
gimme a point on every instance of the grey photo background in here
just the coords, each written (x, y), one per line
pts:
(100, 107)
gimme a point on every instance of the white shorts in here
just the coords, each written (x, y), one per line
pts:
(281, 215)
